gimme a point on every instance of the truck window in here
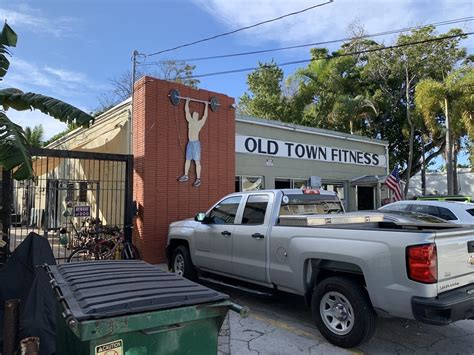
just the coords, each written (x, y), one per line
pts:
(394, 207)
(311, 204)
(426, 209)
(446, 214)
(225, 211)
(255, 209)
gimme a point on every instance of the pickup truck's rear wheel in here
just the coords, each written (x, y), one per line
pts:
(181, 263)
(342, 311)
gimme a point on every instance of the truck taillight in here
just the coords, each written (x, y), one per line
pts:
(422, 263)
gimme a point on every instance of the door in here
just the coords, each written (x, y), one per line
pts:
(365, 198)
(213, 239)
(250, 238)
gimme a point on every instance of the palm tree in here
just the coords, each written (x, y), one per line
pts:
(448, 106)
(35, 136)
(14, 146)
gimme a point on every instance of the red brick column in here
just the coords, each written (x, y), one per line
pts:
(160, 135)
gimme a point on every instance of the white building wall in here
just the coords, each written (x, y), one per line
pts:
(436, 184)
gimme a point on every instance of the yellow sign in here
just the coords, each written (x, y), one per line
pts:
(112, 348)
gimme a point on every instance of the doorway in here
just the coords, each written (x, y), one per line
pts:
(365, 198)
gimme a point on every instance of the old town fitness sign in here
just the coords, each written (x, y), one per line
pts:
(276, 148)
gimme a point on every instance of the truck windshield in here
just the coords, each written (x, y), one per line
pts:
(310, 204)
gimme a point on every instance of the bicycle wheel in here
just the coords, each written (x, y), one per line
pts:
(82, 254)
(130, 252)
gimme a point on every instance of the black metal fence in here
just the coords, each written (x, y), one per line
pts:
(69, 190)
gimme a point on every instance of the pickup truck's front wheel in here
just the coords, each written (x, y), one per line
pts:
(342, 311)
(181, 263)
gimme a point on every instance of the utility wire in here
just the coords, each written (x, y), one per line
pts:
(229, 55)
(333, 56)
(241, 29)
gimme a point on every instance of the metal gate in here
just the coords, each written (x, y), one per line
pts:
(69, 189)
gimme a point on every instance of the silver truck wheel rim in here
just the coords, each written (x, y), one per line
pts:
(179, 265)
(337, 313)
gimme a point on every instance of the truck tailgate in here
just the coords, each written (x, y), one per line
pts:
(455, 251)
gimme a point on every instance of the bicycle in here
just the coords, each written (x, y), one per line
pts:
(109, 248)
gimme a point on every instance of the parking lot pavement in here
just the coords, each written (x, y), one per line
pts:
(282, 324)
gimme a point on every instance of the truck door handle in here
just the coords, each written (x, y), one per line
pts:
(258, 236)
(226, 233)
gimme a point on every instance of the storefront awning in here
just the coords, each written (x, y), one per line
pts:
(368, 180)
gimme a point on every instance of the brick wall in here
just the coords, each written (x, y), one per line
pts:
(159, 143)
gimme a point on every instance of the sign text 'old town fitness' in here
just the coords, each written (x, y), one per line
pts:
(276, 148)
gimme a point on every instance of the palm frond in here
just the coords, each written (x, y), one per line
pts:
(8, 38)
(58, 109)
(14, 151)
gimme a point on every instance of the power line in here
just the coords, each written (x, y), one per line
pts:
(332, 56)
(241, 29)
(238, 54)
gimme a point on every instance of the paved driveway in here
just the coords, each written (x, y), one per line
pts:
(282, 325)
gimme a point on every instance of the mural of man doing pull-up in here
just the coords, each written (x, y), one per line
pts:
(193, 148)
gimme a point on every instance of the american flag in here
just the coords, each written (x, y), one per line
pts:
(393, 183)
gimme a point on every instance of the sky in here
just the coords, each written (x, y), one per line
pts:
(72, 49)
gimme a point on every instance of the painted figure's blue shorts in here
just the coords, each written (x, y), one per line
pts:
(193, 151)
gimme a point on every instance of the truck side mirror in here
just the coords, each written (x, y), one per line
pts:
(200, 217)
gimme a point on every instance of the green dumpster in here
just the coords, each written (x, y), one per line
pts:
(134, 308)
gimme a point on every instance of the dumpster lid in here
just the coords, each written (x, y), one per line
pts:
(103, 289)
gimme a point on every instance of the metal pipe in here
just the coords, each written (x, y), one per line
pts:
(243, 311)
(195, 100)
(12, 326)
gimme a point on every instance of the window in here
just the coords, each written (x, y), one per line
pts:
(311, 204)
(248, 183)
(446, 214)
(237, 184)
(282, 184)
(255, 209)
(395, 207)
(431, 210)
(225, 211)
(300, 183)
(287, 183)
(470, 211)
(337, 187)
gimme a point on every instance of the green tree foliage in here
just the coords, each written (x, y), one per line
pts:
(447, 107)
(35, 136)
(265, 97)
(397, 72)
(14, 147)
(372, 94)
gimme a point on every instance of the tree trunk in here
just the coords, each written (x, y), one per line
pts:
(423, 167)
(412, 135)
(449, 150)
(455, 169)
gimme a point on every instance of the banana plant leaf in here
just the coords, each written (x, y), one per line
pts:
(8, 38)
(18, 100)
(14, 153)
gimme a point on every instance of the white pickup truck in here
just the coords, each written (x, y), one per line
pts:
(350, 267)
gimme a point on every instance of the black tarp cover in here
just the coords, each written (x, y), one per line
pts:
(20, 278)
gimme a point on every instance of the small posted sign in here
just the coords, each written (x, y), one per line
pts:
(82, 211)
(112, 348)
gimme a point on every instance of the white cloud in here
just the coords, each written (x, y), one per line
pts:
(32, 20)
(67, 75)
(57, 81)
(330, 21)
